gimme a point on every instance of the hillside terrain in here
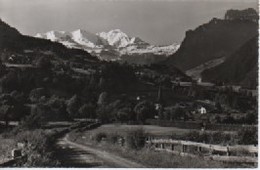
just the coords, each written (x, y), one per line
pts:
(12, 43)
(240, 68)
(218, 38)
(33, 66)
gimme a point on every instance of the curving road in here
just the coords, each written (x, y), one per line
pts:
(72, 154)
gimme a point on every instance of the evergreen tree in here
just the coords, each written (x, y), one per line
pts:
(73, 105)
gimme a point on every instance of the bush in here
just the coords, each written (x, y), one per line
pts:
(73, 105)
(43, 62)
(104, 113)
(58, 109)
(124, 114)
(102, 99)
(107, 112)
(113, 138)
(222, 138)
(135, 139)
(88, 111)
(37, 93)
(39, 149)
(144, 110)
(32, 121)
(248, 136)
(100, 136)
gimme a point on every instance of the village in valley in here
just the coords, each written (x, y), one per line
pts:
(66, 107)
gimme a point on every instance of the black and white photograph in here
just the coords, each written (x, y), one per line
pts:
(129, 83)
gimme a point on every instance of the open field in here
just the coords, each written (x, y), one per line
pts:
(149, 129)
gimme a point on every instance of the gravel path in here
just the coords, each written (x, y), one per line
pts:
(72, 154)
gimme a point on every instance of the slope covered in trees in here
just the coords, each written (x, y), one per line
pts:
(58, 83)
(12, 40)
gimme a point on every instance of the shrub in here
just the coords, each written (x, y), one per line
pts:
(124, 114)
(43, 63)
(99, 136)
(73, 105)
(58, 108)
(107, 112)
(135, 139)
(113, 138)
(38, 149)
(32, 121)
(144, 110)
(248, 136)
(9, 81)
(104, 113)
(102, 99)
(251, 118)
(192, 136)
(37, 93)
(88, 111)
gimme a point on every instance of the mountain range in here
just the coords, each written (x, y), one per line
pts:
(222, 50)
(219, 38)
(19, 49)
(114, 45)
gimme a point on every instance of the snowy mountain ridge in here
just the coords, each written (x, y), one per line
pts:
(109, 45)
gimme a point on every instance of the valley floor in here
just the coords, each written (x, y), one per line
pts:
(104, 153)
(80, 149)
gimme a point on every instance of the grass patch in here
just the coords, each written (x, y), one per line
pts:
(148, 157)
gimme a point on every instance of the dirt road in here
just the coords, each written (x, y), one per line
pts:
(72, 154)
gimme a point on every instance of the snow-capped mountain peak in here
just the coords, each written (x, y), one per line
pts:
(53, 35)
(116, 38)
(85, 38)
(111, 45)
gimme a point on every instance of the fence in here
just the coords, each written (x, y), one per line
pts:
(236, 153)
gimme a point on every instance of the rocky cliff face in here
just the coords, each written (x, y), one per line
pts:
(240, 68)
(248, 14)
(217, 39)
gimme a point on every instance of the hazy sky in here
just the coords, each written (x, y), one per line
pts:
(155, 21)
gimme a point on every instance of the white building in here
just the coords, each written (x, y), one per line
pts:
(202, 110)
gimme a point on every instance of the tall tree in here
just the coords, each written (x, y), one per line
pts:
(73, 105)
(144, 110)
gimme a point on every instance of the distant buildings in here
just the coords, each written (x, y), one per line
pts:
(202, 110)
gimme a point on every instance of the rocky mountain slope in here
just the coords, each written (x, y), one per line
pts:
(240, 68)
(112, 45)
(195, 73)
(217, 39)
